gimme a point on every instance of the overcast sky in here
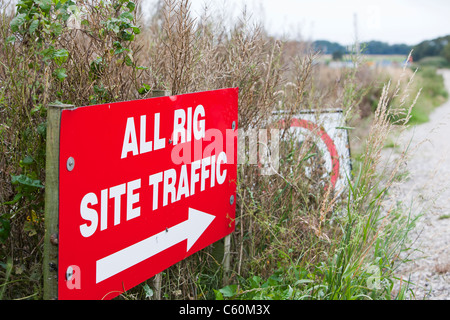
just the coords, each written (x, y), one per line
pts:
(392, 21)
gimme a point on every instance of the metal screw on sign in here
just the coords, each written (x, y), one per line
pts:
(69, 273)
(233, 125)
(70, 163)
(232, 199)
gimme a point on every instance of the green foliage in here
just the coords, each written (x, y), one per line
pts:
(360, 266)
(40, 20)
(433, 94)
(435, 62)
(328, 47)
(5, 228)
(337, 55)
(430, 48)
(446, 53)
(291, 283)
(371, 47)
(378, 47)
(40, 65)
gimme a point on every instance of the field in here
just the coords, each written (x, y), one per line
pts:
(370, 59)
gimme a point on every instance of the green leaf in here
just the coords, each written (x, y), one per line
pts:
(11, 39)
(218, 294)
(229, 291)
(60, 56)
(42, 129)
(302, 281)
(5, 228)
(33, 26)
(126, 15)
(17, 197)
(48, 53)
(56, 28)
(145, 88)
(17, 22)
(148, 291)
(136, 30)
(27, 160)
(128, 60)
(29, 228)
(131, 5)
(26, 181)
(37, 108)
(45, 5)
(126, 35)
(60, 73)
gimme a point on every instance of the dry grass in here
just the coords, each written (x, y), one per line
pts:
(280, 218)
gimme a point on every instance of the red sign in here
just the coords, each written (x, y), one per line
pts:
(143, 184)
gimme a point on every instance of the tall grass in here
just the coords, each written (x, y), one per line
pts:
(294, 239)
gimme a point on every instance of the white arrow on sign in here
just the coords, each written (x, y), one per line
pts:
(191, 229)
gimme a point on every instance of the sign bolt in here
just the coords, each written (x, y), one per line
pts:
(232, 199)
(54, 239)
(70, 163)
(233, 125)
(69, 273)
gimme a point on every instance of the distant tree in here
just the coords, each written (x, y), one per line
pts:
(371, 47)
(430, 48)
(378, 47)
(337, 55)
(446, 52)
(328, 47)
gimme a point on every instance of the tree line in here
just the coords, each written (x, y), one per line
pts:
(439, 47)
(371, 47)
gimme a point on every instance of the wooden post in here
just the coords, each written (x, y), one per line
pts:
(50, 264)
(157, 279)
(226, 260)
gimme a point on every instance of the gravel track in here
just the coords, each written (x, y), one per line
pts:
(427, 192)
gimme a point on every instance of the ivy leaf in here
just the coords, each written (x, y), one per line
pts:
(148, 291)
(27, 161)
(229, 291)
(60, 73)
(26, 181)
(56, 28)
(126, 35)
(126, 15)
(128, 60)
(60, 56)
(33, 26)
(131, 5)
(218, 294)
(144, 89)
(17, 22)
(47, 53)
(136, 30)
(45, 5)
